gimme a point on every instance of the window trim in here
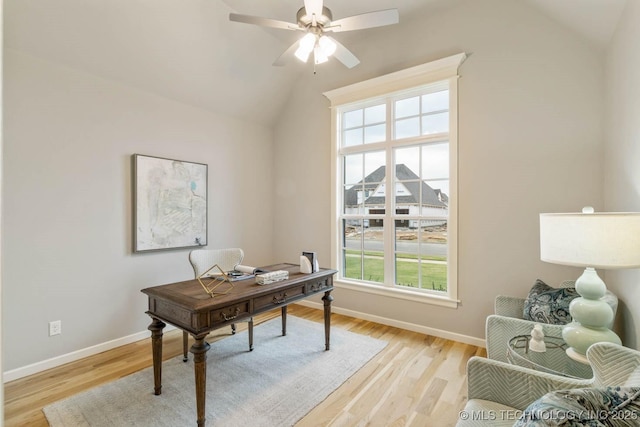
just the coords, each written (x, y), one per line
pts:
(395, 83)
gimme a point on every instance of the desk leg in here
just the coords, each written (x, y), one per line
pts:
(199, 350)
(284, 320)
(327, 298)
(185, 346)
(156, 328)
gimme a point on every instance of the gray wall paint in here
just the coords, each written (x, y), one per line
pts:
(69, 137)
(622, 155)
(530, 141)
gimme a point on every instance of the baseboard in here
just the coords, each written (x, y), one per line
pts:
(465, 339)
(34, 368)
(54, 362)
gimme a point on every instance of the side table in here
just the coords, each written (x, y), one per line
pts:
(553, 361)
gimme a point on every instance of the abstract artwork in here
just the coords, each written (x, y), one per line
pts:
(170, 203)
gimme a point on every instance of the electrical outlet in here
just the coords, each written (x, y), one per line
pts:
(55, 328)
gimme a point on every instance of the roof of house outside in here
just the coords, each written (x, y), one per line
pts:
(430, 197)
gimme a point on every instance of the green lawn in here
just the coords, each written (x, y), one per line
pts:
(434, 276)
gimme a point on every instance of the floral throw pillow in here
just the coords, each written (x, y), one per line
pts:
(548, 305)
(592, 407)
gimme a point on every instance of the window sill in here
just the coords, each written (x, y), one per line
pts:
(405, 294)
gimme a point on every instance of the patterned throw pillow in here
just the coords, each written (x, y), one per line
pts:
(548, 305)
(593, 407)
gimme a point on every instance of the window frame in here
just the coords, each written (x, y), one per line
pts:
(369, 92)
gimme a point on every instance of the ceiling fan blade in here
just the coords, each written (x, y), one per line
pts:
(265, 22)
(313, 7)
(365, 20)
(286, 55)
(344, 55)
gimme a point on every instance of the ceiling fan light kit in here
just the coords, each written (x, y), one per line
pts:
(322, 47)
(314, 20)
(327, 45)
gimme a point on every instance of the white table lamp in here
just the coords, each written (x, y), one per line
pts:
(591, 240)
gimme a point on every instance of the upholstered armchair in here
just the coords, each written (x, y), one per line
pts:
(508, 322)
(498, 392)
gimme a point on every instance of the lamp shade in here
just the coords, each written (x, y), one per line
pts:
(607, 240)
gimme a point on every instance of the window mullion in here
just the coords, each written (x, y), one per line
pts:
(389, 224)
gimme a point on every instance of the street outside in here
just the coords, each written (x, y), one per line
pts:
(433, 240)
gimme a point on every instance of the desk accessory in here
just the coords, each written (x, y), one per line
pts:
(243, 272)
(249, 270)
(309, 262)
(272, 277)
(215, 281)
(305, 265)
(591, 240)
(537, 339)
(235, 275)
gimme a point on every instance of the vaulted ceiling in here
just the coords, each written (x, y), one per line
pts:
(188, 50)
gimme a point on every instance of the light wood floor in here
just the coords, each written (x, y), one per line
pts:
(417, 380)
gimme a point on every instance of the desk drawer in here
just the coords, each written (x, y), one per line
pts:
(278, 299)
(319, 286)
(229, 314)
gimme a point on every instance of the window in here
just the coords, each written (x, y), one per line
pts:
(395, 163)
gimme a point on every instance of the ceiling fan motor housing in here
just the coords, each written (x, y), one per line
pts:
(306, 21)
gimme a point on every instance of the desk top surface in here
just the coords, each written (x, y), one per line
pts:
(190, 294)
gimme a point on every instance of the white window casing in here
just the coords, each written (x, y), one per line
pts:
(426, 77)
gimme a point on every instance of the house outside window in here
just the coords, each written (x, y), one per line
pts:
(395, 181)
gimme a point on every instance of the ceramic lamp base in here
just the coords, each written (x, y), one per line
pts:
(591, 315)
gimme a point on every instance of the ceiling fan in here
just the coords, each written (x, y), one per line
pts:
(315, 20)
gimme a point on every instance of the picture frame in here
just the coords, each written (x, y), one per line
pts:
(170, 203)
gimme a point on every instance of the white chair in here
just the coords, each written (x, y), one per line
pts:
(227, 259)
(498, 392)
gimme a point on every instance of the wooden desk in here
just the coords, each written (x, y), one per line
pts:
(187, 306)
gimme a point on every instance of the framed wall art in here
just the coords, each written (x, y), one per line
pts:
(169, 203)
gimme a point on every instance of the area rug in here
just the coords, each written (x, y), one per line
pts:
(276, 384)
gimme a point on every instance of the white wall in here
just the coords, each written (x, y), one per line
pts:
(622, 156)
(1, 185)
(530, 141)
(68, 141)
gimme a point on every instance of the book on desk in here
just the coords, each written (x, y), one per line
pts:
(240, 272)
(244, 272)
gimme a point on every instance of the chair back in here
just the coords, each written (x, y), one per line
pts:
(203, 259)
(614, 365)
